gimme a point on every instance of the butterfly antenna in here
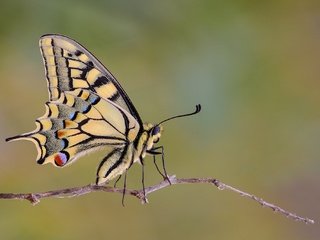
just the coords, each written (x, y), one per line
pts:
(198, 109)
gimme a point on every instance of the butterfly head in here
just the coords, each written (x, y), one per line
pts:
(154, 133)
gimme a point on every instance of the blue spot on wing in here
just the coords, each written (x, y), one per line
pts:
(72, 115)
(93, 99)
(86, 108)
(64, 143)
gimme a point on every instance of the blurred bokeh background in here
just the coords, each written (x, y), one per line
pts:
(254, 66)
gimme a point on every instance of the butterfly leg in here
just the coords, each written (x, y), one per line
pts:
(158, 169)
(124, 187)
(115, 183)
(154, 152)
(142, 180)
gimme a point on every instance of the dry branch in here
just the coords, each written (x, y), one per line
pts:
(34, 198)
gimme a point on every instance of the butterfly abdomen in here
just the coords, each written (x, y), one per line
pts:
(115, 163)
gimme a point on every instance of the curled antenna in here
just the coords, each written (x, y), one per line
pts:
(198, 109)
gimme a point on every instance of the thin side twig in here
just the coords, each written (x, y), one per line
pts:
(35, 198)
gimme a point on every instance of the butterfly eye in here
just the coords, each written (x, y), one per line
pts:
(155, 130)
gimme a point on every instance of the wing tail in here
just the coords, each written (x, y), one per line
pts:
(33, 137)
(25, 136)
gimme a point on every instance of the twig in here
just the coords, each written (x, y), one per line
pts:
(34, 198)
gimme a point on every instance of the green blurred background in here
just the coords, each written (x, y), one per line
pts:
(254, 66)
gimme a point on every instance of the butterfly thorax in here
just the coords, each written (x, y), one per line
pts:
(144, 143)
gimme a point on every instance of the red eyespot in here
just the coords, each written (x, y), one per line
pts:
(60, 159)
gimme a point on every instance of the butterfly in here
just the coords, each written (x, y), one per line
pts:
(87, 110)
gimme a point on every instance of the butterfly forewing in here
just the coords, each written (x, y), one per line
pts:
(70, 66)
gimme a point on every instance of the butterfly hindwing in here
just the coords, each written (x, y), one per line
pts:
(78, 122)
